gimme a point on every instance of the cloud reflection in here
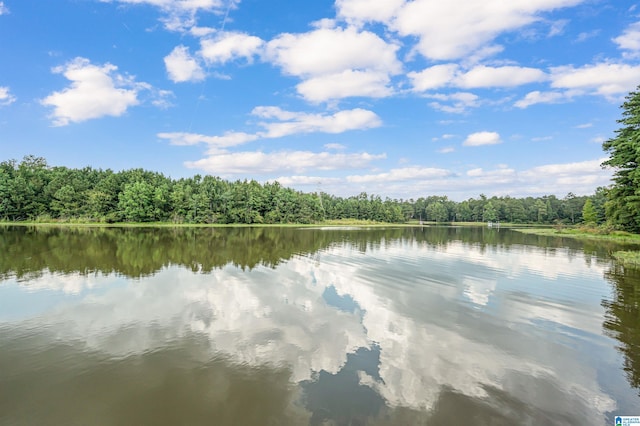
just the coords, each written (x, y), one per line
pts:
(404, 300)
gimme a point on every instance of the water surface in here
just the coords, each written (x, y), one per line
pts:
(275, 326)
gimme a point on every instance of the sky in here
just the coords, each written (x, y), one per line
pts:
(403, 99)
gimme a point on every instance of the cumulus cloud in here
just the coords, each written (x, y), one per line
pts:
(455, 102)
(606, 79)
(278, 123)
(95, 91)
(6, 98)
(328, 51)
(181, 66)
(227, 140)
(289, 123)
(630, 39)
(227, 163)
(451, 30)
(480, 76)
(401, 174)
(345, 84)
(433, 77)
(306, 180)
(358, 11)
(482, 138)
(336, 63)
(229, 46)
(538, 97)
(581, 178)
(507, 76)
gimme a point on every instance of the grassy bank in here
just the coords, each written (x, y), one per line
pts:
(628, 258)
(585, 233)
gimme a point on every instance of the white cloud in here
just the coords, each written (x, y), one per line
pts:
(455, 102)
(580, 175)
(345, 84)
(329, 51)
(541, 138)
(630, 39)
(477, 77)
(181, 66)
(290, 123)
(450, 30)
(482, 138)
(538, 97)
(183, 5)
(402, 174)
(3, 9)
(201, 31)
(507, 76)
(358, 11)
(95, 91)
(306, 180)
(230, 46)
(278, 123)
(267, 163)
(446, 150)
(227, 140)
(335, 146)
(566, 169)
(180, 15)
(557, 27)
(581, 178)
(6, 98)
(605, 79)
(584, 126)
(433, 77)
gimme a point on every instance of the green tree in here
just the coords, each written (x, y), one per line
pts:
(623, 206)
(437, 212)
(541, 210)
(136, 202)
(489, 213)
(589, 214)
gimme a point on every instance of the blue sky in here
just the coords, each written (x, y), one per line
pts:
(393, 97)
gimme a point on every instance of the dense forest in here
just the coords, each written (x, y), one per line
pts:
(32, 190)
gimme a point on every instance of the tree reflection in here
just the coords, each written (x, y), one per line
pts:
(622, 318)
(137, 252)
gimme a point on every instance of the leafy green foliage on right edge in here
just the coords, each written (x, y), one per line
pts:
(623, 204)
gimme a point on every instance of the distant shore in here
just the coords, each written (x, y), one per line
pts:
(329, 223)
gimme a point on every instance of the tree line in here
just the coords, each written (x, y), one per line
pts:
(31, 190)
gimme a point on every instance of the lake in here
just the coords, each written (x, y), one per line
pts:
(314, 326)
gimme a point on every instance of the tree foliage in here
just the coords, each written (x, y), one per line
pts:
(32, 190)
(623, 204)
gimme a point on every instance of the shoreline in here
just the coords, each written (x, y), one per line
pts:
(328, 223)
(576, 233)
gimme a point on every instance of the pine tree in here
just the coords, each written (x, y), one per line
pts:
(623, 205)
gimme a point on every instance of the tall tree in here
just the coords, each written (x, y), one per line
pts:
(589, 213)
(623, 206)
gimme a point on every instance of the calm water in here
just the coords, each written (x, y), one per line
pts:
(282, 326)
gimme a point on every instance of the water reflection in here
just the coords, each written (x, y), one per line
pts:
(622, 318)
(400, 326)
